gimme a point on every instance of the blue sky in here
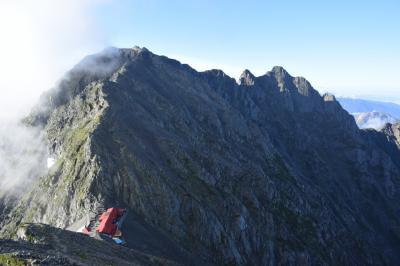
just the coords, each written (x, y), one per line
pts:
(346, 47)
(350, 48)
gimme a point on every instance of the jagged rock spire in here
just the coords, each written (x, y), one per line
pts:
(328, 97)
(247, 78)
(280, 72)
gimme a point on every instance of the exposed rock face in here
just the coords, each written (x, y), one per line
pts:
(265, 172)
(393, 132)
(40, 244)
(247, 78)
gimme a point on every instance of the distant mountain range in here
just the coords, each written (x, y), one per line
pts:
(371, 114)
(364, 106)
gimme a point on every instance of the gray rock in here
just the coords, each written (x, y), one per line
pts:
(263, 172)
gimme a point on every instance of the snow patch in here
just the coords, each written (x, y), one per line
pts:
(50, 162)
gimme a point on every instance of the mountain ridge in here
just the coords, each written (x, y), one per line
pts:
(354, 105)
(264, 171)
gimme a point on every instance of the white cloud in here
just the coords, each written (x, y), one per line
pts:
(40, 40)
(22, 157)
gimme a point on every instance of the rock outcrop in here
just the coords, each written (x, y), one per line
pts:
(262, 172)
(392, 131)
(40, 244)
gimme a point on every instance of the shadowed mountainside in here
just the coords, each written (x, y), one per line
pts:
(266, 171)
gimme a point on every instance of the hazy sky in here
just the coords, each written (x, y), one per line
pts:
(345, 47)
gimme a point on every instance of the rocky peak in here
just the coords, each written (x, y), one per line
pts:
(216, 73)
(280, 72)
(247, 78)
(285, 82)
(281, 75)
(134, 53)
(138, 49)
(328, 97)
(218, 80)
(274, 174)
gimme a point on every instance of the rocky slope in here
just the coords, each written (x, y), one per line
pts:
(40, 244)
(264, 171)
(392, 132)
